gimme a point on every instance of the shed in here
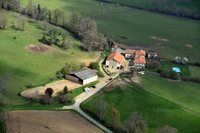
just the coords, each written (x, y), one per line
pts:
(84, 76)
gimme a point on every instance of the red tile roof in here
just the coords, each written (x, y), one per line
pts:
(140, 52)
(129, 51)
(140, 60)
(116, 56)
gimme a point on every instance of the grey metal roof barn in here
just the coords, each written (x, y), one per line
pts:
(84, 73)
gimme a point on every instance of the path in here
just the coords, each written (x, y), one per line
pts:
(83, 96)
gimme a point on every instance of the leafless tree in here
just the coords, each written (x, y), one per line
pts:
(3, 20)
(74, 22)
(166, 129)
(115, 115)
(135, 124)
(101, 105)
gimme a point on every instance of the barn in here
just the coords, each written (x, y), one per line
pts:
(84, 76)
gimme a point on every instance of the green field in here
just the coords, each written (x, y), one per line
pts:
(194, 71)
(155, 110)
(25, 67)
(135, 27)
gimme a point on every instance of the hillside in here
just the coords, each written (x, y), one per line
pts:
(183, 8)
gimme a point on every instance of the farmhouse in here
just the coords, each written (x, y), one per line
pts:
(115, 60)
(129, 53)
(139, 60)
(84, 76)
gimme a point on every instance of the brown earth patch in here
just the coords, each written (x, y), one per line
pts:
(48, 122)
(41, 48)
(159, 38)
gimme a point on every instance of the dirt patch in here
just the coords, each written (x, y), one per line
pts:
(113, 84)
(189, 45)
(159, 38)
(48, 122)
(57, 86)
(41, 48)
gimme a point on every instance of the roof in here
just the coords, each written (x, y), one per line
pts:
(140, 60)
(140, 52)
(117, 50)
(84, 73)
(116, 56)
(129, 51)
(176, 69)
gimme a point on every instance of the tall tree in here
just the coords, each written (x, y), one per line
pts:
(100, 105)
(56, 15)
(3, 20)
(30, 8)
(115, 115)
(135, 124)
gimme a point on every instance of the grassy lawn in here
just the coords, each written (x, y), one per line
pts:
(134, 27)
(155, 110)
(166, 65)
(194, 71)
(182, 93)
(25, 67)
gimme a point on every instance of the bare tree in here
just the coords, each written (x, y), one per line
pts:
(166, 129)
(100, 105)
(30, 8)
(115, 115)
(74, 22)
(57, 14)
(3, 20)
(135, 124)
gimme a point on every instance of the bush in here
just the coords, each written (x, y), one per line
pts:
(94, 65)
(65, 98)
(169, 74)
(153, 64)
(197, 80)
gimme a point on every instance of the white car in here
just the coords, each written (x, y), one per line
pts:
(86, 89)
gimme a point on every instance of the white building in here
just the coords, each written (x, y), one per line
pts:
(115, 60)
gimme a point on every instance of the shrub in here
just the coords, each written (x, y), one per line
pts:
(169, 74)
(153, 64)
(94, 65)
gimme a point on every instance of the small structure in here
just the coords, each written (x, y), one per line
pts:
(152, 55)
(176, 69)
(129, 53)
(139, 62)
(84, 76)
(116, 60)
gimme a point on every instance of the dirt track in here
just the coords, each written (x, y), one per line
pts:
(48, 122)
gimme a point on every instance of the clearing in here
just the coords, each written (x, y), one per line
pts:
(48, 122)
(57, 86)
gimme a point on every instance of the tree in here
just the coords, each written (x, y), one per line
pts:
(57, 13)
(30, 8)
(115, 115)
(135, 124)
(49, 91)
(21, 23)
(74, 22)
(153, 64)
(65, 90)
(100, 105)
(3, 20)
(166, 129)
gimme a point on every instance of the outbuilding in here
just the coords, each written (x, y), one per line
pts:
(84, 76)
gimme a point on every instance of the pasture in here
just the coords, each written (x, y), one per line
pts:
(157, 111)
(185, 94)
(25, 67)
(169, 35)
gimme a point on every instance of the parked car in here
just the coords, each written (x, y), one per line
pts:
(93, 86)
(86, 89)
(110, 79)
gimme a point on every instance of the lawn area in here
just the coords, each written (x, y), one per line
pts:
(137, 27)
(156, 111)
(25, 67)
(182, 93)
(194, 71)
(166, 65)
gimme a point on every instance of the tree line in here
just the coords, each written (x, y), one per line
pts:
(81, 27)
(182, 8)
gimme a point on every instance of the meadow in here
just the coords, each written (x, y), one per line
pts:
(24, 67)
(157, 111)
(168, 35)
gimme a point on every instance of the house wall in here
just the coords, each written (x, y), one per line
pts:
(89, 80)
(114, 64)
(73, 79)
(139, 66)
(107, 63)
